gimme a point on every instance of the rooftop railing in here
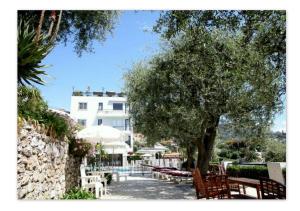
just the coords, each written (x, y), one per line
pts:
(99, 94)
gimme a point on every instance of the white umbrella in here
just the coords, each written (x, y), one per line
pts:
(146, 155)
(102, 133)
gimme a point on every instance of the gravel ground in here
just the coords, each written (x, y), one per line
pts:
(146, 188)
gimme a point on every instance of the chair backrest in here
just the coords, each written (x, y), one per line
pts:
(82, 174)
(199, 185)
(211, 186)
(82, 171)
(271, 189)
(275, 172)
(216, 169)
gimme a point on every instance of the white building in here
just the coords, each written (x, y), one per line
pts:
(110, 109)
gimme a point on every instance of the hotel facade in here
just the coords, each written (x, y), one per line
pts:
(104, 108)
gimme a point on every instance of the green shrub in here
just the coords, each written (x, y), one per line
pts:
(77, 193)
(31, 52)
(79, 147)
(57, 124)
(31, 106)
(275, 151)
(254, 172)
(134, 157)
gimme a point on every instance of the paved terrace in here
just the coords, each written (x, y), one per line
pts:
(144, 187)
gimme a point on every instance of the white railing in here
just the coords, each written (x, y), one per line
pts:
(111, 111)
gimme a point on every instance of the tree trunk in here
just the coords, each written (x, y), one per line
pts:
(38, 30)
(57, 27)
(190, 158)
(205, 147)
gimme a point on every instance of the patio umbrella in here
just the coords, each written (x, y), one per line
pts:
(102, 133)
(146, 155)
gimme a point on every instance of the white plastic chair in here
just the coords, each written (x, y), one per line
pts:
(91, 182)
(102, 179)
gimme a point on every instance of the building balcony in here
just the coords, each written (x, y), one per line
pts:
(111, 112)
(123, 128)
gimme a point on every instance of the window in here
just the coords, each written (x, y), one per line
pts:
(117, 106)
(82, 106)
(100, 106)
(82, 122)
(126, 124)
(128, 141)
(118, 124)
(99, 121)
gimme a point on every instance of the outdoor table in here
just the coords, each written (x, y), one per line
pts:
(247, 182)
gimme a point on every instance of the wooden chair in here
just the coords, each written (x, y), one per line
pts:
(271, 189)
(211, 186)
(216, 169)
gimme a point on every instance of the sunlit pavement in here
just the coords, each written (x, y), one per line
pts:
(146, 188)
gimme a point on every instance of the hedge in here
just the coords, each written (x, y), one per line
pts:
(253, 172)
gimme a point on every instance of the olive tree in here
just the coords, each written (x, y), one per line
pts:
(201, 77)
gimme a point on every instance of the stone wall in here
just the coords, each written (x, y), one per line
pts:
(44, 168)
(72, 172)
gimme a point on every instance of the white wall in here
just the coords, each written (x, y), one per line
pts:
(109, 116)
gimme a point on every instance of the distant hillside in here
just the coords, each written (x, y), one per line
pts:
(225, 133)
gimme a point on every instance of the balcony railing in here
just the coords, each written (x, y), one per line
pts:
(122, 127)
(111, 111)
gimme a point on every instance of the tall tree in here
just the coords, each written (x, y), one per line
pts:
(205, 75)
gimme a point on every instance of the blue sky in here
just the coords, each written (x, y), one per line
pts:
(131, 41)
(105, 68)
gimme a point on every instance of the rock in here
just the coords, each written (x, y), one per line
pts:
(40, 189)
(41, 178)
(19, 148)
(34, 142)
(35, 177)
(22, 193)
(41, 146)
(55, 151)
(52, 194)
(27, 151)
(29, 188)
(33, 163)
(48, 150)
(23, 161)
(25, 180)
(23, 134)
(28, 127)
(20, 168)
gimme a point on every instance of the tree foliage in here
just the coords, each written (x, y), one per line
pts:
(39, 31)
(81, 27)
(206, 73)
(265, 30)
